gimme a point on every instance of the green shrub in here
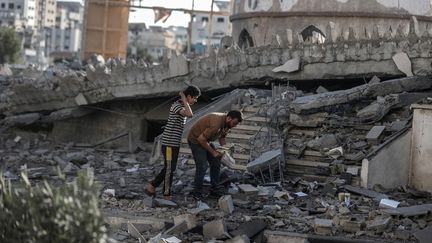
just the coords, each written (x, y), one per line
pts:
(68, 213)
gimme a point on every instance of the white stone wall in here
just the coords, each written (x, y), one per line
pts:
(416, 7)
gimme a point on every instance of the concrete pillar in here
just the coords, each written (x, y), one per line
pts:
(420, 176)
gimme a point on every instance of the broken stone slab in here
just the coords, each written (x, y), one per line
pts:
(250, 228)
(424, 235)
(410, 211)
(239, 239)
(226, 204)
(374, 80)
(378, 224)
(313, 102)
(20, 120)
(122, 182)
(190, 219)
(321, 90)
(323, 226)
(325, 141)
(80, 99)
(365, 192)
(133, 231)
(403, 63)
(215, 230)
(351, 225)
(159, 202)
(248, 189)
(378, 109)
(375, 133)
(264, 160)
(311, 120)
(179, 228)
(289, 66)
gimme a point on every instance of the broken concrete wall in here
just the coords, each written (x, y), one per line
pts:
(354, 57)
(421, 150)
(390, 166)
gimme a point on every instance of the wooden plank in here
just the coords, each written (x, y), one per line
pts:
(302, 132)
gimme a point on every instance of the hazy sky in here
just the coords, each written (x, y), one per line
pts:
(176, 18)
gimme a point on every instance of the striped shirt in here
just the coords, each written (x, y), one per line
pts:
(173, 131)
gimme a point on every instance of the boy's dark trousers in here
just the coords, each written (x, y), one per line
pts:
(166, 174)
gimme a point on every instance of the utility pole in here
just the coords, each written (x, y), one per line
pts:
(210, 28)
(190, 29)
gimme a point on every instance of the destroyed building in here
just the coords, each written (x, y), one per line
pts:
(326, 164)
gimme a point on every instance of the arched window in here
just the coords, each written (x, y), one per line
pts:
(245, 40)
(313, 34)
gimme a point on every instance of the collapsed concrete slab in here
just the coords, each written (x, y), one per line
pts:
(311, 102)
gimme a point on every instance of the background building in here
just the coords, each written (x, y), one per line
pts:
(66, 39)
(221, 26)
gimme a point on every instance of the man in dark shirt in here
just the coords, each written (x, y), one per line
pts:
(209, 128)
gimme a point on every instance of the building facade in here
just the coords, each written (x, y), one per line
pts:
(257, 22)
(66, 36)
(221, 26)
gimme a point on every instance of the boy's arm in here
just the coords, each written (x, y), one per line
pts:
(186, 111)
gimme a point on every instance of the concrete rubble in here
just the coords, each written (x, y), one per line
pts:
(302, 155)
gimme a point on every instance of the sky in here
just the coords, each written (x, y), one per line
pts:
(176, 19)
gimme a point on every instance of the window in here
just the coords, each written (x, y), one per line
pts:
(3, 5)
(204, 19)
(11, 6)
(220, 20)
(19, 7)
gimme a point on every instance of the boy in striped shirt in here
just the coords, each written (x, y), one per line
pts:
(171, 139)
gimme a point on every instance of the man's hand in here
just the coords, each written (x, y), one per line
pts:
(216, 154)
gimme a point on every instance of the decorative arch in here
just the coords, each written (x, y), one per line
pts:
(313, 34)
(245, 40)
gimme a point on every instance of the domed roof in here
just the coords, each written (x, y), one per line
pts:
(406, 7)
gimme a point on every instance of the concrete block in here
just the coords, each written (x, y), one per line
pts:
(149, 202)
(239, 239)
(248, 189)
(379, 224)
(122, 182)
(403, 63)
(226, 204)
(190, 220)
(133, 231)
(424, 236)
(215, 230)
(250, 228)
(375, 133)
(289, 66)
(351, 225)
(180, 228)
(323, 226)
(159, 202)
(321, 90)
(80, 99)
